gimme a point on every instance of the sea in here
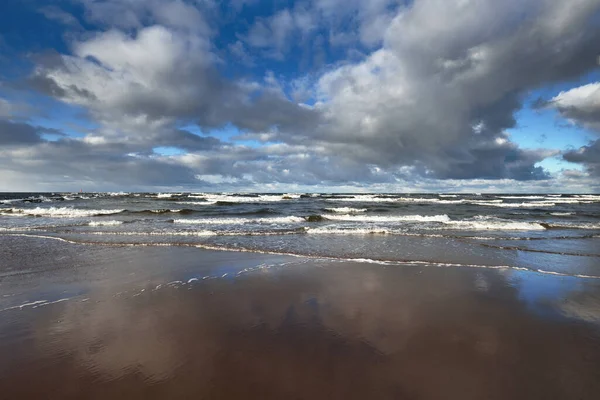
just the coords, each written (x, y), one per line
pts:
(546, 233)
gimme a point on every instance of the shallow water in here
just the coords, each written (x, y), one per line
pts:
(544, 233)
(89, 321)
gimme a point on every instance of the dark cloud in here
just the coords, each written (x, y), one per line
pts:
(75, 160)
(586, 155)
(16, 133)
(186, 140)
(429, 104)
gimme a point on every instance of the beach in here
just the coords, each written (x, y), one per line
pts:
(116, 321)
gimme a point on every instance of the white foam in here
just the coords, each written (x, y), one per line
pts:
(476, 223)
(521, 197)
(346, 210)
(495, 225)
(245, 199)
(351, 231)
(561, 214)
(429, 200)
(198, 203)
(59, 212)
(589, 197)
(364, 199)
(576, 225)
(104, 223)
(10, 201)
(52, 302)
(29, 304)
(386, 218)
(239, 221)
(533, 204)
(155, 233)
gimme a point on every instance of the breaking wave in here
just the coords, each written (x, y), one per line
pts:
(239, 221)
(59, 212)
(346, 210)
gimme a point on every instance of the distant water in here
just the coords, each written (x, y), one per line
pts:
(557, 234)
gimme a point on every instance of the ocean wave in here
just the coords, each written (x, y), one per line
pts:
(155, 233)
(328, 230)
(429, 200)
(385, 218)
(521, 197)
(574, 225)
(105, 223)
(204, 232)
(161, 211)
(347, 210)
(236, 221)
(562, 214)
(495, 225)
(10, 201)
(224, 198)
(533, 204)
(198, 203)
(58, 212)
(363, 198)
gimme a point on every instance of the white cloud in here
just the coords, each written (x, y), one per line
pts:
(581, 105)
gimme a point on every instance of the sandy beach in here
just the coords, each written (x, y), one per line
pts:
(169, 322)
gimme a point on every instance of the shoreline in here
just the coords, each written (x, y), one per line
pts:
(318, 258)
(156, 322)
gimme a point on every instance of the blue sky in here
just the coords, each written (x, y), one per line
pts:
(313, 95)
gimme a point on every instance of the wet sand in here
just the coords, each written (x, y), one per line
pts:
(149, 322)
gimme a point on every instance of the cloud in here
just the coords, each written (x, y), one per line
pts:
(429, 100)
(12, 133)
(276, 32)
(581, 106)
(587, 155)
(137, 14)
(155, 77)
(6, 108)
(71, 161)
(448, 67)
(238, 50)
(56, 14)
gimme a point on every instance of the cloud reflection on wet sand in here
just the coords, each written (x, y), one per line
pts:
(314, 330)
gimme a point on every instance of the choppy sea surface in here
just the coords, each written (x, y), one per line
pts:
(546, 233)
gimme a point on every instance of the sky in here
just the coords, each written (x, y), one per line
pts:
(300, 96)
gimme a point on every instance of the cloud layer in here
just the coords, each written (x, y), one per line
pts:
(423, 93)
